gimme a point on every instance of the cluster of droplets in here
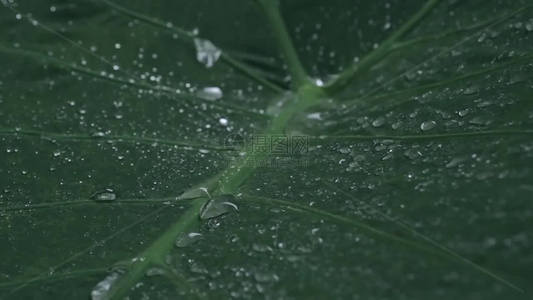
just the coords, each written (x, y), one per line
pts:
(212, 208)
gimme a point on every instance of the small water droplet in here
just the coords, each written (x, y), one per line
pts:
(314, 116)
(344, 150)
(396, 125)
(479, 120)
(455, 162)
(261, 248)
(155, 272)
(428, 125)
(412, 153)
(106, 195)
(210, 93)
(265, 277)
(471, 90)
(218, 206)
(484, 104)
(186, 239)
(464, 112)
(206, 52)
(378, 122)
(388, 156)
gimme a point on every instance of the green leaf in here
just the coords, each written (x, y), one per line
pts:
(140, 149)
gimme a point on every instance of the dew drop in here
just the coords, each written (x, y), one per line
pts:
(155, 272)
(186, 239)
(517, 78)
(106, 195)
(223, 121)
(206, 52)
(412, 153)
(388, 156)
(261, 248)
(471, 90)
(455, 162)
(210, 93)
(479, 120)
(396, 125)
(344, 150)
(428, 125)
(463, 112)
(218, 206)
(265, 277)
(378, 122)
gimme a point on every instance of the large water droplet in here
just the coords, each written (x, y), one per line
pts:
(186, 239)
(428, 125)
(106, 195)
(218, 206)
(101, 290)
(210, 93)
(206, 52)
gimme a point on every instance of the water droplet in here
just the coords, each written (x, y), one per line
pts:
(107, 195)
(378, 122)
(210, 93)
(471, 90)
(463, 112)
(155, 272)
(265, 277)
(388, 156)
(314, 116)
(455, 162)
(344, 150)
(517, 78)
(479, 120)
(428, 125)
(261, 248)
(412, 153)
(206, 53)
(223, 121)
(218, 206)
(186, 239)
(101, 290)
(396, 125)
(484, 104)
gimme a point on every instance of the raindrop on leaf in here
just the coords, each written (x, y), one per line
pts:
(104, 196)
(206, 53)
(186, 239)
(218, 206)
(210, 93)
(428, 125)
